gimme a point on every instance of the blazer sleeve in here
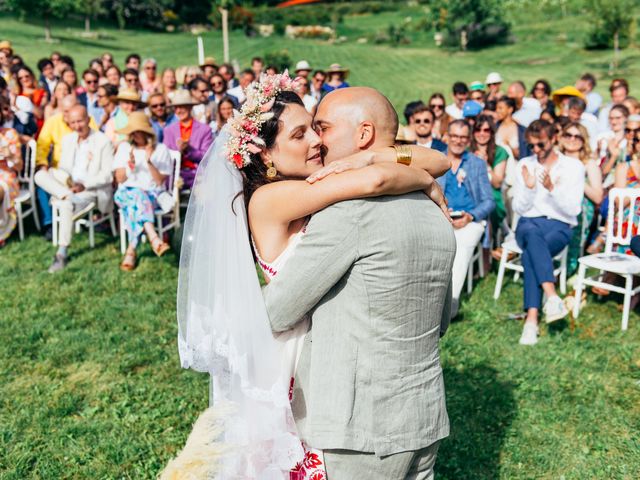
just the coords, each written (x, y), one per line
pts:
(104, 151)
(486, 203)
(196, 151)
(320, 260)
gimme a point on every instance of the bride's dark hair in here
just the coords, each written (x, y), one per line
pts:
(254, 175)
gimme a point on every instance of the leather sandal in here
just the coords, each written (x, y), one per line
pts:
(159, 247)
(128, 262)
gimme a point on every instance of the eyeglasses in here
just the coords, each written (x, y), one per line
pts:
(540, 145)
(572, 136)
(439, 106)
(539, 89)
(459, 138)
(418, 121)
(150, 67)
(158, 105)
(634, 131)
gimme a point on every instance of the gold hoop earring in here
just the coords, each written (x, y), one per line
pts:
(271, 170)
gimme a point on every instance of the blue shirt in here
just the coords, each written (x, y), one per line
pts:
(159, 129)
(457, 193)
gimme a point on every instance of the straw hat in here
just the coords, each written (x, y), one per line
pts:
(183, 98)
(303, 65)
(337, 68)
(6, 45)
(130, 95)
(137, 122)
(209, 62)
(569, 91)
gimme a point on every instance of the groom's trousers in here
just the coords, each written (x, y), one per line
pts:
(350, 465)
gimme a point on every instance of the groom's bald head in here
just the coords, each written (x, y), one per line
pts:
(354, 119)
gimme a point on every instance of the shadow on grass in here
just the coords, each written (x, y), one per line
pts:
(481, 408)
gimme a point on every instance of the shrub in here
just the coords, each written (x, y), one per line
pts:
(280, 59)
(608, 18)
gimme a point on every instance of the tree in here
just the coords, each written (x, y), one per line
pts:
(91, 9)
(139, 13)
(611, 23)
(45, 9)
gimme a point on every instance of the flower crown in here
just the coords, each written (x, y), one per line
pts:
(245, 125)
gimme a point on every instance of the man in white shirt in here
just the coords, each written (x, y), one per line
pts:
(246, 77)
(527, 109)
(548, 197)
(460, 95)
(81, 181)
(586, 83)
(619, 90)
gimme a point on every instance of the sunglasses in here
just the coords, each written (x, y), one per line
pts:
(540, 145)
(203, 91)
(483, 130)
(437, 105)
(634, 131)
(91, 81)
(418, 121)
(216, 84)
(571, 136)
(130, 80)
(157, 105)
(539, 89)
(149, 68)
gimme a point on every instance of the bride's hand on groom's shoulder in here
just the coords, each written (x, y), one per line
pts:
(436, 194)
(353, 162)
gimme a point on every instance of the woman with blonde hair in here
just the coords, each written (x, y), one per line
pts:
(168, 83)
(574, 142)
(141, 167)
(61, 90)
(190, 73)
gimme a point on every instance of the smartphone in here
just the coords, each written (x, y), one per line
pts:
(456, 214)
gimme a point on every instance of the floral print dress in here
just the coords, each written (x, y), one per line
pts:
(9, 151)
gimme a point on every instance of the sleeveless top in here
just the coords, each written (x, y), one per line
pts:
(270, 269)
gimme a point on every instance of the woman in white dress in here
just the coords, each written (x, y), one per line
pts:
(270, 149)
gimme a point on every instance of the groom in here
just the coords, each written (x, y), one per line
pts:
(375, 275)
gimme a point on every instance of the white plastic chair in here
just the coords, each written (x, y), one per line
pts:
(25, 203)
(511, 246)
(627, 266)
(88, 217)
(172, 218)
(477, 257)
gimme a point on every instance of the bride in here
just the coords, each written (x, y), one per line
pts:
(254, 193)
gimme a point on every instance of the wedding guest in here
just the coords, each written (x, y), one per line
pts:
(548, 197)
(494, 84)
(257, 65)
(246, 77)
(25, 126)
(204, 109)
(129, 101)
(190, 73)
(96, 65)
(527, 109)
(219, 90)
(10, 167)
(468, 191)
(141, 167)
(317, 81)
(209, 68)
(541, 91)
(222, 116)
(483, 145)
(442, 120)
(336, 78)
(161, 116)
(586, 83)
(188, 136)
(49, 151)
(303, 69)
(114, 77)
(509, 133)
(89, 98)
(107, 60)
(149, 79)
(632, 104)
(460, 95)
(302, 89)
(28, 87)
(107, 101)
(132, 61)
(272, 70)
(70, 77)
(575, 109)
(229, 74)
(421, 122)
(619, 90)
(132, 82)
(81, 180)
(612, 143)
(48, 79)
(5, 64)
(60, 91)
(575, 143)
(169, 84)
(477, 93)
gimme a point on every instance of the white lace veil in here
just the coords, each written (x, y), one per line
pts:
(223, 327)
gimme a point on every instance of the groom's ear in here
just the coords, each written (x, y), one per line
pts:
(366, 134)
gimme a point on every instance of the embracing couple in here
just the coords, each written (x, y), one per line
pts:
(332, 370)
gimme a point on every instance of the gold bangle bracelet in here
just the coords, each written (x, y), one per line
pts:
(403, 154)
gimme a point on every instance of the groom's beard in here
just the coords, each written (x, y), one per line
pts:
(323, 152)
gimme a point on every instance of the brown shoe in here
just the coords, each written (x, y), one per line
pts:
(128, 262)
(159, 247)
(496, 254)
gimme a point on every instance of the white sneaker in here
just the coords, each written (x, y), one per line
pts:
(554, 309)
(529, 334)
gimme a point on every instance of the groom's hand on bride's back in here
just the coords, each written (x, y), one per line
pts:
(436, 194)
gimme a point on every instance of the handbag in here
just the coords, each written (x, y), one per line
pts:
(165, 202)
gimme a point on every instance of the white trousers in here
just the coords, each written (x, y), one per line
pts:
(61, 194)
(467, 239)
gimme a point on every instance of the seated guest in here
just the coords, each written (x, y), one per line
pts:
(302, 89)
(60, 91)
(209, 68)
(619, 90)
(188, 136)
(460, 95)
(223, 114)
(169, 83)
(107, 101)
(510, 132)
(204, 109)
(132, 81)
(541, 91)
(82, 179)
(575, 109)
(132, 61)
(527, 109)
(70, 77)
(246, 77)
(26, 129)
(89, 98)
(228, 73)
(161, 116)
(336, 76)
(49, 151)
(10, 166)
(613, 143)
(149, 78)
(129, 101)
(586, 83)
(28, 87)
(219, 90)
(48, 79)
(421, 120)
(437, 106)
(141, 167)
(114, 77)
(548, 197)
(317, 81)
(468, 191)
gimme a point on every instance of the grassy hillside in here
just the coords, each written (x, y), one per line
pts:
(544, 48)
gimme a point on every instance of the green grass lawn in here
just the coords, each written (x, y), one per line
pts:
(92, 389)
(543, 48)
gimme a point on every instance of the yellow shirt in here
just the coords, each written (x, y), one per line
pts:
(53, 130)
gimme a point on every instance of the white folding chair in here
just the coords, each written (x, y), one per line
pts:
(88, 217)
(477, 257)
(627, 266)
(25, 203)
(171, 218)
(511, 246)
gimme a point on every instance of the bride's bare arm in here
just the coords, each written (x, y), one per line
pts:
(427, 159)
(289, 200)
